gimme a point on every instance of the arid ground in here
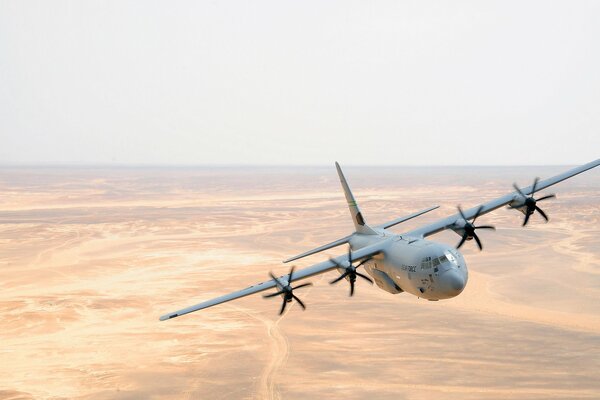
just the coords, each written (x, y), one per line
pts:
(91, 257)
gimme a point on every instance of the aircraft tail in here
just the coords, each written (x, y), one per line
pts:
(359, 221)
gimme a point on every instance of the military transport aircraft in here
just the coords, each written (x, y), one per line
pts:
(404, 262)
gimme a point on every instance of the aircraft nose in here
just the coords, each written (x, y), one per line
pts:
(452, 283)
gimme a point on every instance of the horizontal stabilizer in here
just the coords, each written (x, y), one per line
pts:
(397, 221)
(321, 248)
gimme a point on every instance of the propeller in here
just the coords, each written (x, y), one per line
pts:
(350, 271)
(531, 203)
(469, 228)
(287, 290)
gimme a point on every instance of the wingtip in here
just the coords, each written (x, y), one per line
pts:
(168, 316)
(339, 170)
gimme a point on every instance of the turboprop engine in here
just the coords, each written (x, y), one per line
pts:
(467, 229)
(286, 291)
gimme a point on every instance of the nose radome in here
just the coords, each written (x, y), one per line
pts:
(452, 283)
(457, 282)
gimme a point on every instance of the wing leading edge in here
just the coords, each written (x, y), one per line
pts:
(300, 274)
(397, 221)
(492, 205)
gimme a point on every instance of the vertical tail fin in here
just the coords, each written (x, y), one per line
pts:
(359, 222)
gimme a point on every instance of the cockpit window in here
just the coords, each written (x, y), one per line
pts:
(426, 263)
(450, 257)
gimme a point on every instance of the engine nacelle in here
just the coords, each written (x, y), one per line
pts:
(518, 205)
(459, 228)
(284, 295)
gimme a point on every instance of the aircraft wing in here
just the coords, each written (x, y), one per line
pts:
(316, 269)
(514, 197)
(397, 221)
(319, 249)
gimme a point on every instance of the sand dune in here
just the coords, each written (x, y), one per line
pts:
(90, 258)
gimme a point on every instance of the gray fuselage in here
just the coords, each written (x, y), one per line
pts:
(426, 269)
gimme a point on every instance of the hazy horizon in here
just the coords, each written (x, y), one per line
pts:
(315, 166)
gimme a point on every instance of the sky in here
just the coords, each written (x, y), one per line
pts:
(299, 82)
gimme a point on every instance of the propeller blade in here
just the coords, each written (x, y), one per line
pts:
(351, 288)
(462, 215)
(275, 279)
(462, 241)
(299, 302)
(527, 215)
(485, 227)
(291, 273)
(542, 213)
(363, 261)
(477, 213)
(303, 285)
(349, 255)
(550, 196)
(518, 190)
(337, 264)
(339, 278)
(535, 182)
(283, 307)
(364, 277)
(478, 241)
(266, 296)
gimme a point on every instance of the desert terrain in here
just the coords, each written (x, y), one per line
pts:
(91, 257)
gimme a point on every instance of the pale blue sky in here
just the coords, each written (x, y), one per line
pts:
(299, 82)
